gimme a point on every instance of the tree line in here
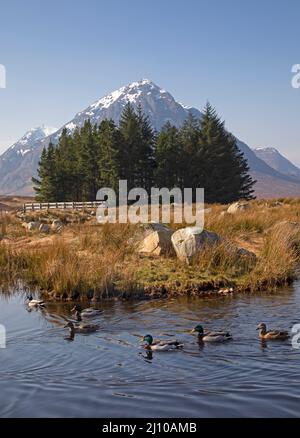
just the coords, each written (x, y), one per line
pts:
(200, 154)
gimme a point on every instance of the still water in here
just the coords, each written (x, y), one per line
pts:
(108, 374)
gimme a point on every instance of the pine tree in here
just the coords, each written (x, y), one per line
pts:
(66, 167)
(191, 163)
(131, 140)
(46, 185)
(88, 169)
(145, 153)
(225, 174)
(109, 154)
(168, 158)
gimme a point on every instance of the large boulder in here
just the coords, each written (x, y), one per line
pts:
(156, 240)
(44, 228)
(32, 226)
(57, 226)
(189, 241)
(238, 207)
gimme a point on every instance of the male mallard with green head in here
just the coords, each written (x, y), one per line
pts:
(211, 336)
(35, 303)
(160, 345)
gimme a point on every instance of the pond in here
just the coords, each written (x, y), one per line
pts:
(109, 374)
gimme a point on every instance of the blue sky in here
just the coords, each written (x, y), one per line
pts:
(60, 56)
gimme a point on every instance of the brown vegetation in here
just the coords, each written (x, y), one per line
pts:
(91, 261)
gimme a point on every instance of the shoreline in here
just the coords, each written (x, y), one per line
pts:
(208, 289)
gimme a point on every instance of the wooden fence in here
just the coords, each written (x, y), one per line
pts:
(37, 206)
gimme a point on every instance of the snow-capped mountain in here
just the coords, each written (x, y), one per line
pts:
(159, 105)
(30, 139)
(277, 161)
(19, 163)
(14, 176)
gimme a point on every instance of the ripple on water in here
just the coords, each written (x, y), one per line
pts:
(109, 374)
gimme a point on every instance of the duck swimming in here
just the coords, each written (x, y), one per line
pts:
(274, 335)
(86, 313)
(81, 328)
(35, 303)
(160, 345)
(211, 336)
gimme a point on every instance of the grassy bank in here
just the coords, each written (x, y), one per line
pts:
(90, 261)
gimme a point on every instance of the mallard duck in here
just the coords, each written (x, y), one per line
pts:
(211, 336)
(272, 334)
(160, 345)
(35, 303)
(86, 313)
(81, 328)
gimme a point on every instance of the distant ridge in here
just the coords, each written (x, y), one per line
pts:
(277, 161)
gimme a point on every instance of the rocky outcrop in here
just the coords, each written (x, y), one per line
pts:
(189, 241)
(156, 240)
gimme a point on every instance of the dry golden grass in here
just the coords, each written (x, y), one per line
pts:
(278, 259)
(96, 261)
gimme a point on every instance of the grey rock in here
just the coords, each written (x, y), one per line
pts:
(31, 226)
(238, 207)
(189, 241)
(157, 241)
(44, 228)
(57, 225)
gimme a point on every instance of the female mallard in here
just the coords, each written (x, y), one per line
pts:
(211, 336)
(35, 303)
(81, 328)
(160, 345)
(86, 313)
(272, 334)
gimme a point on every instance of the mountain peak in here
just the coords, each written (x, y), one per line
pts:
(277, 161)
(36, 134)
(29, 140)
(141, 83)
(269, 149)
(159, 105)
(129, 93)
